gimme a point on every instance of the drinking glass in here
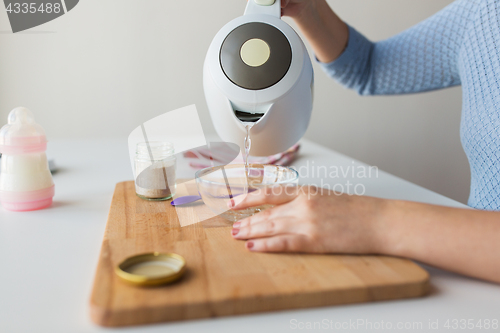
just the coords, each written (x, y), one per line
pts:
(218, 185)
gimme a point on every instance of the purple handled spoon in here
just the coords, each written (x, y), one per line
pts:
(185, 200)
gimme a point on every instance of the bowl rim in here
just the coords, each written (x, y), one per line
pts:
(296, 178)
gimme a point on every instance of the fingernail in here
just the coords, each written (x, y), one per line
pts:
(230, 203)
(235, 231)
(249, 245)
(236, 225)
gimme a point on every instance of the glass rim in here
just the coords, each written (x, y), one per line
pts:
(198, 174)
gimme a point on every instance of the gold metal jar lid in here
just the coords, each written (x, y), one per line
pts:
(151, 269)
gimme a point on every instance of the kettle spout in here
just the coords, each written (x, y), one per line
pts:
(247, 117)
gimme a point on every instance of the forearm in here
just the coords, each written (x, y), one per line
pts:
(405, 63)
(325, 31)
(460, 240)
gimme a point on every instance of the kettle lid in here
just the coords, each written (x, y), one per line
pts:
(255, 55)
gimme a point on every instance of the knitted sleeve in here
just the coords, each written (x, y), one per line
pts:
(421, 58)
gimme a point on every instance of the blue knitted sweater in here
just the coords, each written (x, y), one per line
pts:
(458, 45)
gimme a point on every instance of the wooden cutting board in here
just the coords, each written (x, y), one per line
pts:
(222, 277)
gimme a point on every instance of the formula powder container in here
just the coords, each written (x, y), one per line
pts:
(25, 180)
(155, 169)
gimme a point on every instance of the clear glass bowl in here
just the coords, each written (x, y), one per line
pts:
(217, 185)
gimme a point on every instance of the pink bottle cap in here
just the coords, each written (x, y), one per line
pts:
(22, 135)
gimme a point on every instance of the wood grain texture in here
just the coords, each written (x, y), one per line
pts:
(222, 277)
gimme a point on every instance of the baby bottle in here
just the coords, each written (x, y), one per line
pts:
(25, 180)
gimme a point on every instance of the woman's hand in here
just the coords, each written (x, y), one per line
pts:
(310, 219)
(325, 31)
(294, 8)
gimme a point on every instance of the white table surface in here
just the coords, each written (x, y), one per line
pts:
(48, 257)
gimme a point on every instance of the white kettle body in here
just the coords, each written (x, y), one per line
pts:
(257, 70)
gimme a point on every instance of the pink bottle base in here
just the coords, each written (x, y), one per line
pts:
(27, 206)
(28, 200)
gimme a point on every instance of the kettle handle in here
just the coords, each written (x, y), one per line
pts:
(267, 7)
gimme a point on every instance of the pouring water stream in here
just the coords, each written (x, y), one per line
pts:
(247, 144)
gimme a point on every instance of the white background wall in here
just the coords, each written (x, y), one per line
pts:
(109, 65)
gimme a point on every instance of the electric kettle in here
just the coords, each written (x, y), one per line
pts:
(257, 71)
